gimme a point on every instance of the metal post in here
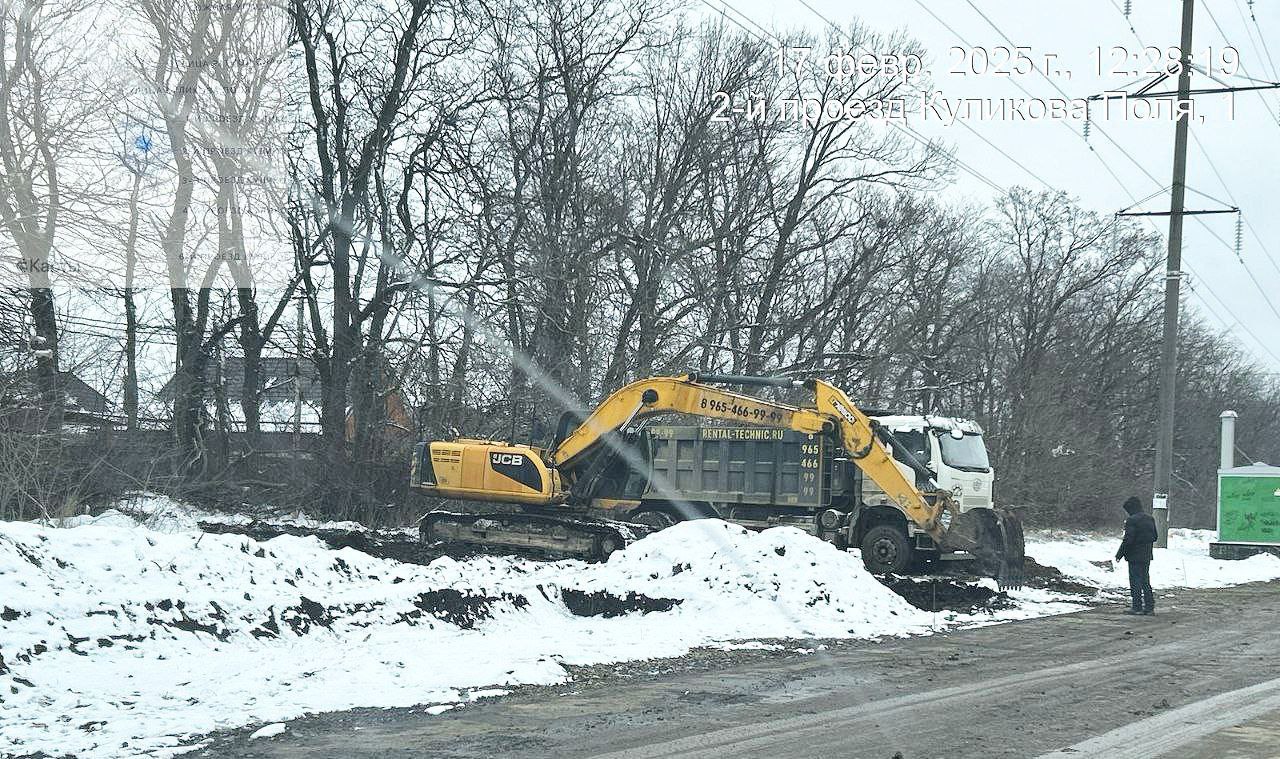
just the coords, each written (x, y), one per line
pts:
(297, 385)
(1226, 456)
(1173, 274)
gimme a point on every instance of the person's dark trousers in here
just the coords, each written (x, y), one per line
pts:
(1140, 586)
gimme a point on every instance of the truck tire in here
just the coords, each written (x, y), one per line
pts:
(658, 520)
(887, 550)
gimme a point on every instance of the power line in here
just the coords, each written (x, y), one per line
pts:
(1265, 103)
(1266, 49)
(1104, 133)
(1124, 152)
(991, 183)
(1252, 230)
(1127, 20)
(913, 133)
(1214, 167)
(906, 129)
(1238, 322)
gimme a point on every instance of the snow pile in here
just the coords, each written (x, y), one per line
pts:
(121, 640)
(131, 632)
(158, 513)
(1184, 564)
(163, 513)
(779, 583)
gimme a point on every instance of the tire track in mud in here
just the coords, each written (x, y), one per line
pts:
(757, 739)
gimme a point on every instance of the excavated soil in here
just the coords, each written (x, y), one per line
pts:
(383, 544)
(604, 604)
(953, 592)
(1050, 578)
(946, 593)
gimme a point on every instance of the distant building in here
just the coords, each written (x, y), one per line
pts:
(81, 401)
(78, 394)
(279, 383)
(277, 374)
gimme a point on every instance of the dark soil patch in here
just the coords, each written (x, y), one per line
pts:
(187, 624)
(268, 629)
(461, 608)
(1050, 578)
(305, 615)
(382, 544)
(944, 593)
(603, 604)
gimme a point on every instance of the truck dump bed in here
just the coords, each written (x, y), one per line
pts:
(748, 473)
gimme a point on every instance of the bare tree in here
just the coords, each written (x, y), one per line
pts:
(363, 69)
(45, 113)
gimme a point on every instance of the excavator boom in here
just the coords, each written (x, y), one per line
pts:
(694, 395)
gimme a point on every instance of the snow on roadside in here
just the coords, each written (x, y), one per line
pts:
(1184, 564)
(130, 633)
(269, 731)
(158, 513)
(121, 640)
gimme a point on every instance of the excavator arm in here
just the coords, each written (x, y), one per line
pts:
(695, 395)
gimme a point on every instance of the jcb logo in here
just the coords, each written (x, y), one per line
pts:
(849, 417)
(514, 459)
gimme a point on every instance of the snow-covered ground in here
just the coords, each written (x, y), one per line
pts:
(127, 635)
(1184, 564)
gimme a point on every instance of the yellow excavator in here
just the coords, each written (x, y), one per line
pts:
(564, 499)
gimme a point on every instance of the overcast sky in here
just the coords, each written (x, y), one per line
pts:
(1241, 144)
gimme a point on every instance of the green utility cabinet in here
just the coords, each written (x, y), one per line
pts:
(1248, 512)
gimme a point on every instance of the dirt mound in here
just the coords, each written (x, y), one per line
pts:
(603, 604)
(384, 545)
(1051, 578)
(945, 593)
(462, 608)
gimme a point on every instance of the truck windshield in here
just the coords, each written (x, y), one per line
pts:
(968, 453)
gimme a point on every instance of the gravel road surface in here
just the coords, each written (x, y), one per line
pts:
(1198, 679)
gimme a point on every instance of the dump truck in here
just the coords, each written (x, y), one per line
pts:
(759, 478)
(607, 480)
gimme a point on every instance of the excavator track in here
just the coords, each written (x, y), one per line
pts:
(555, 535)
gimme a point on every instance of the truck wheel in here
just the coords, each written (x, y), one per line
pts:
(658, 520)
(885, 549)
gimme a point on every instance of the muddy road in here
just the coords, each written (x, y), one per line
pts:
(1199, 679)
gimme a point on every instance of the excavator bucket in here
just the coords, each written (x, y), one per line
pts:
(1012, 551)
(994, 538)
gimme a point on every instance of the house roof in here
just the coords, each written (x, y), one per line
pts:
(276, 379)
(79, 394)
(84, 395)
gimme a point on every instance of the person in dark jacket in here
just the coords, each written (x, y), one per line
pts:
(1139, 537)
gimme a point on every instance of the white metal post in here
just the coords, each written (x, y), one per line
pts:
(1226, 458)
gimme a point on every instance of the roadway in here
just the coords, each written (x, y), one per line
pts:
(1197, 680)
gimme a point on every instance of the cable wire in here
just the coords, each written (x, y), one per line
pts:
(1265, 103)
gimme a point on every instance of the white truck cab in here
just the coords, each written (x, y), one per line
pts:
(952, 448)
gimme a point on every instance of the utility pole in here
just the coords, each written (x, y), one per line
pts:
(1172, 280)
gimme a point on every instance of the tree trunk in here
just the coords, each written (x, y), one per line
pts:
(48, 378)
(131, 312)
